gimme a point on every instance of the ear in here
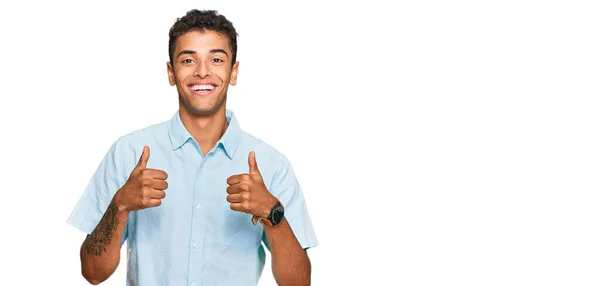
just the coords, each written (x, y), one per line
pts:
(171, 74)
(234, 73)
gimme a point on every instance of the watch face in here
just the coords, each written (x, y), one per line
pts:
(278, 215)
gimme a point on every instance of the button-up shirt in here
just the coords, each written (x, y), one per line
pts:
(193, 237)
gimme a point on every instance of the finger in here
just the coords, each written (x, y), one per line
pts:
(237, 207)
(235, 179)
(235, 189)
(159, 184)
(144, 158)
(252, 163)
(157, 194)
(154, 202)
(156, 174)
(235, 198)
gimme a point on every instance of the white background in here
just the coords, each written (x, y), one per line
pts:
(438, 143)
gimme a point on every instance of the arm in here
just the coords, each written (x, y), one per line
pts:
(248, 193)
(100, 251)
(290, 263)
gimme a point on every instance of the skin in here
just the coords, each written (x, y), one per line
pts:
(247, 193)
(203, 58)
(199, 58)
(100, 251)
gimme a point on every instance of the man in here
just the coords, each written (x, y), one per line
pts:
(195, 196)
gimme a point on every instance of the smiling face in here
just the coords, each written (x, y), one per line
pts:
(202, 70)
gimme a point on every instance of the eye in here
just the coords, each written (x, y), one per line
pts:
(188, 61)
(217, 60)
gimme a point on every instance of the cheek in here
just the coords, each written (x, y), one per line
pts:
(182, 71)
(224, 75)
(180, 78)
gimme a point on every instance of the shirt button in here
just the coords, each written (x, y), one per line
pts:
(193, 284)
(198, 206)
(195, 245)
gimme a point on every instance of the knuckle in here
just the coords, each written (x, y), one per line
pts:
(246, 205)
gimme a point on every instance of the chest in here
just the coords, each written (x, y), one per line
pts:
(195, 206)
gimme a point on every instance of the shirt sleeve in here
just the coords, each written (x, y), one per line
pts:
(286, 188)
(107, 179)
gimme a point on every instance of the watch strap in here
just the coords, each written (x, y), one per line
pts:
(265, 221)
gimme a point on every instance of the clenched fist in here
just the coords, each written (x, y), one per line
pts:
(247, 192)
(144, 188)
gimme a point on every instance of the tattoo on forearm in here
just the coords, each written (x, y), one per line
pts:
(101, 237)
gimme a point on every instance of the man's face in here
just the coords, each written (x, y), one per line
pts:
(202, 71)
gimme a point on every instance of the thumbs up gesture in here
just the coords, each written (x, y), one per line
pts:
(144, 188)
(247, 192)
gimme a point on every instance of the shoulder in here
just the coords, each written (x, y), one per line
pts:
(150, 132)
(132, 143)
(265, 152)
(274, 166)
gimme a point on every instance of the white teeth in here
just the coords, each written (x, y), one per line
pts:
(202, 87)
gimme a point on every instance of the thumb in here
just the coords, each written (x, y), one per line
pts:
(144, 158)
(252, 163)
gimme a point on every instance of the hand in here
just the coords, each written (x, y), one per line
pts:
(248, 193)
(144, 188)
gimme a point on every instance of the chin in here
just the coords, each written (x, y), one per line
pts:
(201, 110)
(200, 106)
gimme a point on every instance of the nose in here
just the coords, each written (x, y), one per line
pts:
(202, 70)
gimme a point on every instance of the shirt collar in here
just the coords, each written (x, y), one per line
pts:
(229, 141)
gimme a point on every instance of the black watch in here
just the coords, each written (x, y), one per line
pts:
(276, 215)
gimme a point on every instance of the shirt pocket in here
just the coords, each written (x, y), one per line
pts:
(236, 230)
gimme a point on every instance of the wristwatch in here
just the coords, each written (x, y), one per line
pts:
(274, 218)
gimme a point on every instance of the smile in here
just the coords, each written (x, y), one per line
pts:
(201, 89)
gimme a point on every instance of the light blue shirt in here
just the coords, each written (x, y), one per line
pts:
(193, 238)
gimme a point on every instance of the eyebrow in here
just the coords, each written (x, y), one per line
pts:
(218, 51)
(191, 52)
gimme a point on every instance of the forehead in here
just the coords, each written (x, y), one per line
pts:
(202, 41)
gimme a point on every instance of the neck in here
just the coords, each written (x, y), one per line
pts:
(206, 130)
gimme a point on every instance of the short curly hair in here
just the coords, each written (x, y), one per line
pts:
(196, 20)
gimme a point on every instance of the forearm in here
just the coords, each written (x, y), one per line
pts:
(101, 250)
(290, 262)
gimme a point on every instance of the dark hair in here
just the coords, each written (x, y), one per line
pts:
(195, 20)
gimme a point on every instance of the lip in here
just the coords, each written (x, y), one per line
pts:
(202, 93)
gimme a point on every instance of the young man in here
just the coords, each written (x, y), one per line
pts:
(195, 196)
